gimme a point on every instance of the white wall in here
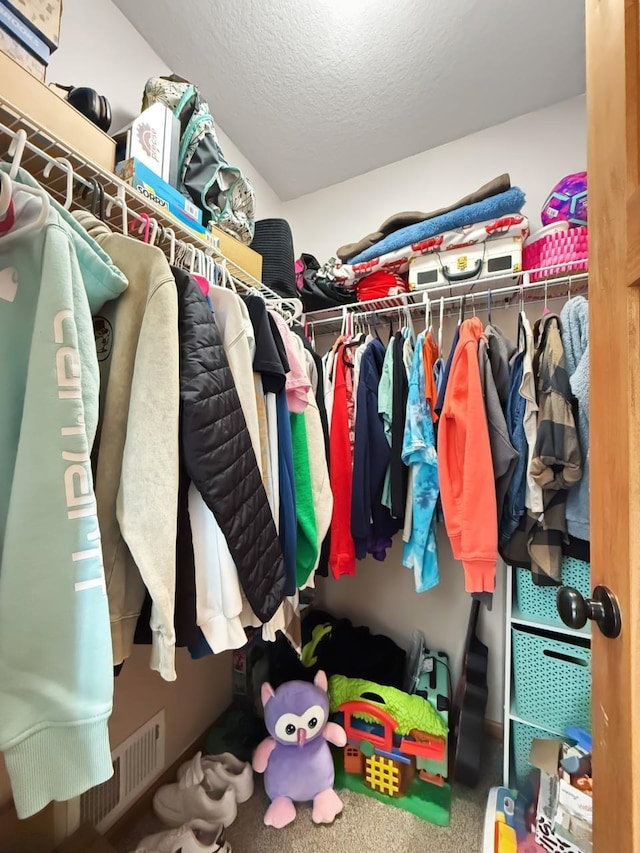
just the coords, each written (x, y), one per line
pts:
(537, 150)
(101, 49)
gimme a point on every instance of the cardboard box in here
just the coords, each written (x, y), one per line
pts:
(42, 16)
(46, 108)
(152, 187)
(19, 53)
(23, 33)
(159, 192)
(153, 138)
(564, 813)
(243, 256)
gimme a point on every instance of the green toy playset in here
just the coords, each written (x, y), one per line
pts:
(397, 742)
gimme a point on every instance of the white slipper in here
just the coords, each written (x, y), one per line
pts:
(227, 767)
(197, 836)
(210, 799)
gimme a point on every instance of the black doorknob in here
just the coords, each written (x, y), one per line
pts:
(603, 609)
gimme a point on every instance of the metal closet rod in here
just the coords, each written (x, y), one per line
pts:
(471, 299)
(20, 142)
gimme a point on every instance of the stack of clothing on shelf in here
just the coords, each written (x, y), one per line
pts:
(376, 265)
(498, 434)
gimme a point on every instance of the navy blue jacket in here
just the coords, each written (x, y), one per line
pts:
(371, 523)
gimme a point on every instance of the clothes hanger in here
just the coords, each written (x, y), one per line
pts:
(489, 307)
(155, 228)
(522, 337)
(64, 164)
(408, 320)
(211, 267)
(144, 228)
(120, 202)
(6, 204)
(440, 327)
(373, 321)
(7, 208)
(6, 199)
(16, 150)
(97, 198)
(171, 234)
(195, 269)
(463, 303)
(427, 313)
(227, 276)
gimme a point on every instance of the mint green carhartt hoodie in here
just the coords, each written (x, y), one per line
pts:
(56, 681)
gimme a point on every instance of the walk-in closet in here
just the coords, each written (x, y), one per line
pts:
(319, 333)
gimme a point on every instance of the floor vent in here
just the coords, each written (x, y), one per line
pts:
(136, 763)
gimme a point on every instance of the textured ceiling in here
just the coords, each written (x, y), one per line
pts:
(316, 91)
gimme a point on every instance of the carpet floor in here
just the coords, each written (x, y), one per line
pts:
(365, 825)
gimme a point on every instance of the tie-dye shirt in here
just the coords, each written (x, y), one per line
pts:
(419, 453)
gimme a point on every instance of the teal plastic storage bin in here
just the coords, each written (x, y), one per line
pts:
(552, 680)
(522, 736)
(539, 602)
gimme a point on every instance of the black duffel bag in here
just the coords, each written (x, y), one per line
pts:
(316, 291)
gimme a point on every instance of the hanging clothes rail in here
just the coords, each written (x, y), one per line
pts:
(66, 173)
(539, 291)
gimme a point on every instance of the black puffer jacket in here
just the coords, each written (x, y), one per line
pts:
(218, 454)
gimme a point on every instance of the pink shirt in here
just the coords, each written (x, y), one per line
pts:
(297, 383)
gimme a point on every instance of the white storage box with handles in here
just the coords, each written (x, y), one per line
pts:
(497, 255)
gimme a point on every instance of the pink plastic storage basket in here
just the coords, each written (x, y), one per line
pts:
(557, 254)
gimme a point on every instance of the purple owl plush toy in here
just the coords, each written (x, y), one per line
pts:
(296, 759)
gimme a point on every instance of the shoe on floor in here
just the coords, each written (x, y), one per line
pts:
(227, 767)
(211, 800)
(197, 836)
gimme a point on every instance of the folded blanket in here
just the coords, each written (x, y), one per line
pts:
(512, 225)
(402, 220)
(502, 204)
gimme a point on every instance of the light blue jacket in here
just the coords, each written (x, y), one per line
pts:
(574, 318)
(56, 678)
(419, 453)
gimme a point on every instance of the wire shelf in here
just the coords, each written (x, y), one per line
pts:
(502, 292)
(43, 147)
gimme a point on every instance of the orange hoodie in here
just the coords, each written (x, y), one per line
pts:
(465, 466)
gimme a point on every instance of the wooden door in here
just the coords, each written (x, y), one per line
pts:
(613, 84)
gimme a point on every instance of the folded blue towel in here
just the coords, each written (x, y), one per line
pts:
(502, 204)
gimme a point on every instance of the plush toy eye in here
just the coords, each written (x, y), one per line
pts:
(286, 727)
(314, 720)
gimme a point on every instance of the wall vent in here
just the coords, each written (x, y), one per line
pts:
(136, 763)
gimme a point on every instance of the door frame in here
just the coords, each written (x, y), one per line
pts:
(613, 140)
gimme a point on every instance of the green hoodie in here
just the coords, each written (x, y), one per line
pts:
(56, 681)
